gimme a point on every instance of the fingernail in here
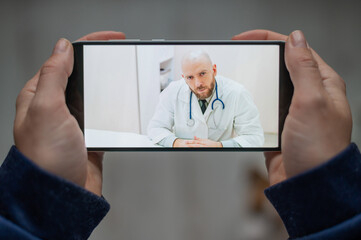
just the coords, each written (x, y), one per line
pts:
(61, 45)
(298, 39)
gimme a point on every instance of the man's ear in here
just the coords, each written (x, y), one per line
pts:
(214, 69)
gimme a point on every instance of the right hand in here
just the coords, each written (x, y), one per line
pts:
(196, 143)
(44, 129)
(186, 143)
(319, 122)
(180, 143)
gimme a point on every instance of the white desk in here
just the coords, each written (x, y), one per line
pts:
(112, 139)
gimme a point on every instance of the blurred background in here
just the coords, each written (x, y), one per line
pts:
(178, 195)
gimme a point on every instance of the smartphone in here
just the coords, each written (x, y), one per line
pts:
(160, 95)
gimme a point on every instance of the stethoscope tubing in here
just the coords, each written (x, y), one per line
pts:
(191, 121)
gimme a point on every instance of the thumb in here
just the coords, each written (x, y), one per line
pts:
(54, 73)
(301, 64)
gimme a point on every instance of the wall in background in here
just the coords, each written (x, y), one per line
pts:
(110, 88)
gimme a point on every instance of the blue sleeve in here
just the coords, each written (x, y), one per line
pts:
(35, 204)
(324, 202)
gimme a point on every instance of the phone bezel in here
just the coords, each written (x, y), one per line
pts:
(75, 96)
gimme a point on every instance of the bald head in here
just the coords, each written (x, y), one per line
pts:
(199, 73)
(194, 57)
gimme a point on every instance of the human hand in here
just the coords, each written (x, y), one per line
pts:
(44, 129)
(319, 122)
(180, 143)
(202, 142)
(197, 142)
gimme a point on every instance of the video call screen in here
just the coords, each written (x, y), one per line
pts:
(181, 95)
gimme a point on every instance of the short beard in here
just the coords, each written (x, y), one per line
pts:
(210, 91)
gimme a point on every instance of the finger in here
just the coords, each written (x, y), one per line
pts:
(333, 84)
(26, 95)
(328, 73)
(325, 70)
(54, 74)
(302, 66)
(269, 156)
(195, 145)
(199, 141)
(104, 35)
(96, 158)
(94, 175)
(260, 34)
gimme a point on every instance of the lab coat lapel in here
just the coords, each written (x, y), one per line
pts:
(209, 109)
(185, 92)
(220, 87)
(196, 109)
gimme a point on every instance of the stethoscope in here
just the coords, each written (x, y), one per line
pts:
(190, 122)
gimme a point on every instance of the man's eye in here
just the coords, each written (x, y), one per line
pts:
(190, 78)
(202, 73)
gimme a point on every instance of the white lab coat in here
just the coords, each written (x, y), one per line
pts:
(239, 120)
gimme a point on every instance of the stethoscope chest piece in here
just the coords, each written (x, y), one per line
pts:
(190, 122)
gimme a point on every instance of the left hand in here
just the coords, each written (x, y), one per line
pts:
(319, 123)
(44, 129)
(201, 142)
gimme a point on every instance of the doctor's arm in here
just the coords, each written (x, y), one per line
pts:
(160, 127)
(50, 185)
(197, 143)
(315, 180)
(246, 122)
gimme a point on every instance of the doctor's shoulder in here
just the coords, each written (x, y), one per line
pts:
(172, 90)
(231, 87)
(236, 91)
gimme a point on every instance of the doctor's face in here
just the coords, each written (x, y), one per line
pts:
(200, 77)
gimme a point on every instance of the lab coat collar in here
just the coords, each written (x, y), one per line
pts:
(184, 92)
(196, 110)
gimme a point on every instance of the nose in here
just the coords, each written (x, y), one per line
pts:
(199, 82)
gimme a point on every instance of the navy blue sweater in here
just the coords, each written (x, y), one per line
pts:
(323, 203)
(35, 204)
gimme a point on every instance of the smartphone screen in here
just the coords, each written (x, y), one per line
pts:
(177, 95)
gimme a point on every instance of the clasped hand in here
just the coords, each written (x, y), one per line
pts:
(196, 143)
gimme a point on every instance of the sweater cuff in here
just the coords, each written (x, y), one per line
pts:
(46, 205)
(321, 197)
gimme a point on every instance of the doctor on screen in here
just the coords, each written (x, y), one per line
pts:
(205, 110)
